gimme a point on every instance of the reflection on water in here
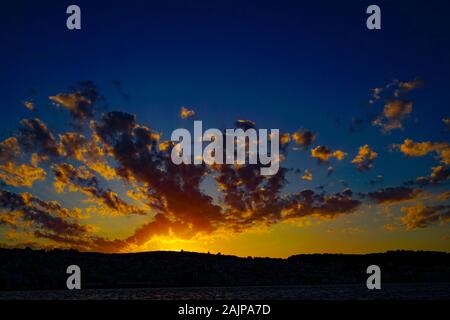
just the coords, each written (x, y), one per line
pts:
(388, 291)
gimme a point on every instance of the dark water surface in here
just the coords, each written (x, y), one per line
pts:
(414, 291)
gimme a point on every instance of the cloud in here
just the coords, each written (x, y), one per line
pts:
(9, 149)
(114, 123)
(330, 170)
(393, 195)
(186, 113)
(395, 111)
(420, 149)
(377, 179)
(73, 144)
(29, 105)
(285, 138)
(365, 157)
(114, 145)
(375, 94)
(446, 122)
(407, 86)
(34, 135)
(80, 102)
(49, 220)
(307, 175)
(438, 174)
(43, 215)
(81, 179)
(22, 175)
(390, 227)
(90, 152)
(443, 196)
(121, 90)
(245, 124)
(324, 154)
(307, 202)
(304, 138)
(174, 190)
(421, 216)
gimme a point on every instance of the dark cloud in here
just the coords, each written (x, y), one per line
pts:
(245, 124)
(438, 174)
(446, 122)
(22, 175)
(118, 85)
(174, 190)
(308, 202)
(81, 179)
(9, 149)
(49, 216)
(393, 195)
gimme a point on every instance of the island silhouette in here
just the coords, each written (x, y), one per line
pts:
(28, 269)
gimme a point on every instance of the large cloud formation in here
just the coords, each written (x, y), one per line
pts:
(110, 149)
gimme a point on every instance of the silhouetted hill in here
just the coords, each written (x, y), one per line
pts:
(23, 269)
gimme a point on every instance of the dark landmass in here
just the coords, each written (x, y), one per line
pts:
(26, 269)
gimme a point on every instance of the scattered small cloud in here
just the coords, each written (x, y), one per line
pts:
(307, 175)
(446, 122)
(304, 138)
(324, 154)
(186, 113)
(29, 105)
(245, 124)
(422, 216)
(365, 157)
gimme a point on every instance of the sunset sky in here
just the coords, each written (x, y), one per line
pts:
(86, 116)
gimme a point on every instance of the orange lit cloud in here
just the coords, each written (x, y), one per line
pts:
(365, 157)
(22, 175)
(324, 154)
(395, 111)
(304, 138)
(186, 113)
(421, 216)
(103, 151)
(420, 149)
